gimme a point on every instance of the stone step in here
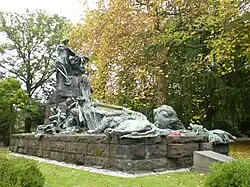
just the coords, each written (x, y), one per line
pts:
(204, 159)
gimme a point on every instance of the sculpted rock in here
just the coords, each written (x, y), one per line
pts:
(165, 117)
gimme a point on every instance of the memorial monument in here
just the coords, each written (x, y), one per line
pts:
(123, 138)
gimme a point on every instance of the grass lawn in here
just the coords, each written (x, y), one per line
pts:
(57, 176)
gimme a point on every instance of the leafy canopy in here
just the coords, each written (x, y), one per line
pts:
(29, 47)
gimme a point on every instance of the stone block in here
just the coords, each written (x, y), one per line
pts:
(33, 144)
(21, 142)
(119, 151)
(70, 157)
(112, 140)
(125, 164)
(90, 149)
(59, 156)
(79, 159)
(45, 137)
(52, 155)
(206, 146)
(138, 152)
(82, 148)
(55, 138)
(25, 150)
(71, 147)
(97, 139)
(133, 152)
(156, 151)
(32, 152)
(171, 163)
(63, 139)
(131, 141)
(202, 160)
(39, 153)
(221, 148)
(44, 145)
(151, 164)
(112, 150)
(186, 139)
(83, 139)
(155, 140)
(46, 154)
(103, 162)
(184, 162)
(69, 138)
(181, 150)
(57, 146)
(29, 136)
(101, 150)
(89, 160)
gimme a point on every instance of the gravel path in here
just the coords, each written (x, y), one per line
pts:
(100, 171)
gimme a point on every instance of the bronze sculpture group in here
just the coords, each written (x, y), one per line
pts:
(82, 114)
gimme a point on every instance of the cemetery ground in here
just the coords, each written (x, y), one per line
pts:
(58, 176)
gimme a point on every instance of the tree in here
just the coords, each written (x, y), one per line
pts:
(28, 50)
(191, 54)
(116, 37)
(12, 103)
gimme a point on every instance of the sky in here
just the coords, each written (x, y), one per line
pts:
(71, 9)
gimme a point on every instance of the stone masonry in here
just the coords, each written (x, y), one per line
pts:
(145, 154)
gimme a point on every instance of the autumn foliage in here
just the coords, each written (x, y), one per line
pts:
(191, 54)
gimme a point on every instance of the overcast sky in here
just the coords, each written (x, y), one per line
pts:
(71, 9)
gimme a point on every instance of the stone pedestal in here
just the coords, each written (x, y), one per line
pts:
(144, 154)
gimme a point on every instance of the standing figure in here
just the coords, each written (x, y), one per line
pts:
(63, 62)
(68, 63)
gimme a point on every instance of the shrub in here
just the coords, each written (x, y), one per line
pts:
(234, 174)
(18, 172)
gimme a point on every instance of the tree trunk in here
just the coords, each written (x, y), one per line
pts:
(207, 121)
(28, 124)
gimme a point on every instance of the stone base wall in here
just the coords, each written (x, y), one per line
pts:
(145, 154)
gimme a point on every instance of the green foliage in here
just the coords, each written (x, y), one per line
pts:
(193, 55)
(12, 104)
(29, 47)
(236, 173)
(16, 172)
(28, 51)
